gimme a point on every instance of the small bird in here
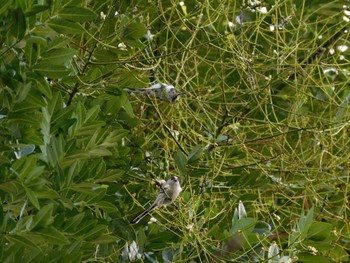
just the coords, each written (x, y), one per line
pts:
(160, 91)
(168, 193)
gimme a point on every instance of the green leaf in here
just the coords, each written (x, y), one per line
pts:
(302, 227)
(343, 109)
(24, 166)
(74, 256)
(111, 176)
(58, 56)
(133, 79)
(65, 27)
(18, 28)
(59, 42)
(61, 119)
(94, 75)
(74, 222)
(5, 7)
(305, 223)
(32, 197)
(92, 113)
(44, 217)
(77, 14)
(34, 174)
(48, 193)
(105, 239)
(181, 161)
(319, 231)
(20, 240)
(106, 206)
(127, 105)
(262, 228)
(53, 236)
(245, 225)
(31, 53)
(103, 55)
(85, 226)
(11, 187)
(40, 83)
(134, 31)
(195, 154)
(95, 232)
(34, 9)
(51, 71)
(310, 258)
(36, 40)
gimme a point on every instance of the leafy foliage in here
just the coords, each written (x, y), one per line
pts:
(264, 121)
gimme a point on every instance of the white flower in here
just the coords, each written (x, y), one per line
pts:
(152, 220)
(239, 212)
(273, 253)
(342, 48)
(263, 10)
(175, 133)
(149, 36)
(277, 217)
(102, 15)
(238, 20)
(313, 250)
(190, 227)
(122, 46)
(131, 252)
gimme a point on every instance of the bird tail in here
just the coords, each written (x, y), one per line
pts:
(133, 90)
(143, 214)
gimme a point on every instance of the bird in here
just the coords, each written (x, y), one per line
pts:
(168, 193)
(160, 91)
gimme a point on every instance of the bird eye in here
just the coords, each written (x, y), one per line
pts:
(174, 178)
(175, 98)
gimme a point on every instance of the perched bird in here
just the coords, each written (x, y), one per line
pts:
(168, 193)
(160, 91)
